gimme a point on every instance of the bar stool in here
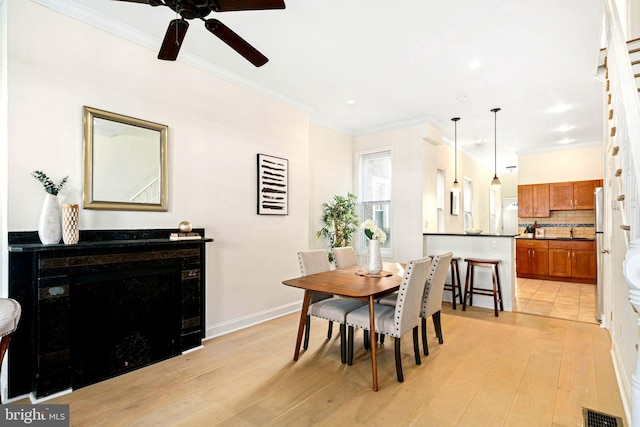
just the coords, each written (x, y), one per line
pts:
(469, 285)
(455, 282)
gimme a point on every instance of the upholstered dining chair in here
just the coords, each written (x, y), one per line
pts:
(395, 321)
(324, 305)
(10, 311)
(344, 257)
(432, 297)
(432, 301)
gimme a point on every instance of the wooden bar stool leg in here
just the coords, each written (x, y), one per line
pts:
(495, 291)
(466, 288)
(453, 284)
(499, 289)
(457, 274)
(472, 283)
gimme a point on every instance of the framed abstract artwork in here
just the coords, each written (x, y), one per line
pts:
(273, 187)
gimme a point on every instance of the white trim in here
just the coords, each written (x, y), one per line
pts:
(253, 319)
(623, 383)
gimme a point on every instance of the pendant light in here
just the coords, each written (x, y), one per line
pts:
(495, 182)
(455, 187)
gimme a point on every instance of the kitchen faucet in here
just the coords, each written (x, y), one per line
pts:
(571, 232)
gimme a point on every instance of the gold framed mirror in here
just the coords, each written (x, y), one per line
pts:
(125, 162)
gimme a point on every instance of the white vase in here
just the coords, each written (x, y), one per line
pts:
(50, 226)
(374, 262)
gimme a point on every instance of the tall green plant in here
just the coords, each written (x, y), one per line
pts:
(340, 218)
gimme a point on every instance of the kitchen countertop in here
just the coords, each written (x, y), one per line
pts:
(471, 235)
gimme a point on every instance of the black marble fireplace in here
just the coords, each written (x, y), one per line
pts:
(117, 301)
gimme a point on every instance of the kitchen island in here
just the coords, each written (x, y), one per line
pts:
(487, 246)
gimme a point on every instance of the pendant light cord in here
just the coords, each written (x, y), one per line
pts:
(495, 141)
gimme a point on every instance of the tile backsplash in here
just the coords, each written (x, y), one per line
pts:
(559, 223)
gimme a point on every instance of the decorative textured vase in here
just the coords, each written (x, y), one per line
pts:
(374, 262)
(70, 231)
(49, 228)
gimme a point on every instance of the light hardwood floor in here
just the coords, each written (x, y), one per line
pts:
(515, 370)
(563, 300)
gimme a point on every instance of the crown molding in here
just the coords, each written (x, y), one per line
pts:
(560, 147)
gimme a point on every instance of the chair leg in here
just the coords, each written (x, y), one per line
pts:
(466, 289)
(398, 361)
(425, 346)
(350, 346)
(416, 346)
(330, 330)
(307, 326)
(343, 343)
(437, 325)
(4, 345)
(366, 339)
(382, 338)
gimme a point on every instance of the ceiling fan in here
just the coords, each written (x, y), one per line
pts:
(192, 9)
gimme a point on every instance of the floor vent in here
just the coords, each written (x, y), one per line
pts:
(593, 418)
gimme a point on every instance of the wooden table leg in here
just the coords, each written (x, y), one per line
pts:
(303, 321)
(372, 346)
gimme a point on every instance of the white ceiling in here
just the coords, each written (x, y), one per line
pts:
(406, 62)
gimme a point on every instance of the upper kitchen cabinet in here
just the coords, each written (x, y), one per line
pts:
(572, 195)
(533, 201)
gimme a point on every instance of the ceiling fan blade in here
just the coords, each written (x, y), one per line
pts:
(173, 39)
(234, 5)
(236, 42)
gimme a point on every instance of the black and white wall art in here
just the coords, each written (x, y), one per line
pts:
(273, 175)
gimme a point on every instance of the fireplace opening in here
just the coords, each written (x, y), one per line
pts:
(122, 321)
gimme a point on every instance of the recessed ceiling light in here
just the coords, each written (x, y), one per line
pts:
(479, 141)
(461, 98)
(564, 128)
(565, 141)
(351, 101)
(560, 108)
(474, 64)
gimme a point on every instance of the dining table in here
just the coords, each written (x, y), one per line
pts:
(351, 282)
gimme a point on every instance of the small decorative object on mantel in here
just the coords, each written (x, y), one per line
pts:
(185, 232)
(529, 231)
(50, 224)
(70, 217)
(376, 238)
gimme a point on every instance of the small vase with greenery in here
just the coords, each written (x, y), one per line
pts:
(50, 224)
(340, 218)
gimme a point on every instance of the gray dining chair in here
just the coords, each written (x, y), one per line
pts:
(344, 257)
(432, 301)
(432, 297)
(395, 321)
(323, 305)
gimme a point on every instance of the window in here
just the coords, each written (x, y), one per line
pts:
(467, 197)
(440, 199)
(375, 193)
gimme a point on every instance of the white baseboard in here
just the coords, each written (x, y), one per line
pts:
(623, 381)
(250, 320)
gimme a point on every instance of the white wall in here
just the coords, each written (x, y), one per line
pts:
(571, 164)
(331, 173)
(57, 64)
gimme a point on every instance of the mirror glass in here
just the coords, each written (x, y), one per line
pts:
(125, 162)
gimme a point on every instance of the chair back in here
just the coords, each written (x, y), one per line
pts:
(312, 262)
(344, 257)
(434, 287)
(408, 302)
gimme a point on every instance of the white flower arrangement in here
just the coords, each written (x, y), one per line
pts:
(372, 231)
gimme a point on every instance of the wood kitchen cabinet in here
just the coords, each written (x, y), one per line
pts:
(572, 195)
(574, 259)
(564, 260)
(533, 201)
(532, 257)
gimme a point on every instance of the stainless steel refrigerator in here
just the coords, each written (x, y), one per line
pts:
(599, 203)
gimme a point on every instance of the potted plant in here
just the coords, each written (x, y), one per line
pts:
(50, 224)
(529, 231)
(340, 218)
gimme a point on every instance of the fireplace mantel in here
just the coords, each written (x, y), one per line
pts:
(116, 301)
